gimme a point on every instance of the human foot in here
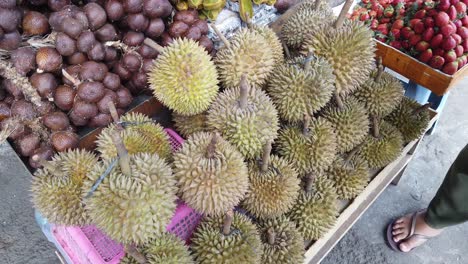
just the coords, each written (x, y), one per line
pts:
(409, 232)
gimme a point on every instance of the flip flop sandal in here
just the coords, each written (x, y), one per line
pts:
(396, 245)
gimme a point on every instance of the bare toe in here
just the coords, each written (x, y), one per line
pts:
(405, 247)
(400, 237)
(400, 220)
(398, 231)
(399, 225)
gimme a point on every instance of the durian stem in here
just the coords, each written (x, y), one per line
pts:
(286, 50)
(72, 79)
(220, 35)
(375, 126)
(339, 21)
(124, 158)
(211, 149)
(114, 115)
(306, 125)
(152, 44)
(137, 255)
(244, 91)
(309, 184)
(421, 109)
(266, 156)
(317, 4)
(271, 236)
(338, 100)
(308, 61)
(380, 70)
(9, 72)
(353, 153)
(228, 222)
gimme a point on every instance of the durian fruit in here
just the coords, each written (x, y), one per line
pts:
(183, 77)
(141, 134)
(56, 188)
(316, 208)
(247, 53)
(211, 173)
(189, 125)
(246, 117)
(381, 93)
(410, 118)
(382, 146)
(282, 242)
(273, 41)
(164, 249)
(350, 122)
(311, 149)
(136, 200)
(305, 21)
(349, 176)
(301, 85)
(273, 188)
(230, 239)
(348, 47)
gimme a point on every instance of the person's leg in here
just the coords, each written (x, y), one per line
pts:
(448, 207)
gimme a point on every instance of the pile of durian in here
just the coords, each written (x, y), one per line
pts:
(277, 129)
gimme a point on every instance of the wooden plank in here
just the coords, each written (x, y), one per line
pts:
(418, 72)
(353, 212)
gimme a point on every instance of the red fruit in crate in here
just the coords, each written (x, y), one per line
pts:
(425, 56)
(383, 28)
(395, 33)
(415, 39)
(385, 20)
(429, 22)
(396, 44)
(422, 46)
(420, 14)
(458, 23)
(447, 30)
(364, 17)
(454, 2)
(429, 5)
(464, 44)
(419, 27)
(437, 62)
(439, 52)
(428, 34)
(398, 24)
(461, 8)
(372, 13)
(459, 50)
(389, 11)
(457, 38)
(463, 32)
(450, 56)
(442, 19)
(443, 5)
(374, 23)
(432, 13)
(464, 59)
(414, 21)
(452, 12)
(436, 41)
(449, 43)
(405, 45)
(407, 32)
(450, 68)
(464, 21)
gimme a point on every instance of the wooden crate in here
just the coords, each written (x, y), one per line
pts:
(418, 72)
(352, 210)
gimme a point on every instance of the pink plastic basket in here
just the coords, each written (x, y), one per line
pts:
(88, 245)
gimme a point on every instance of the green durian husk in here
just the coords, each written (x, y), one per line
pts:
(350, 177)
(189, 125)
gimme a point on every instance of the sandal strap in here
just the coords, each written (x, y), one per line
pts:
(413, 225)
(420, 236)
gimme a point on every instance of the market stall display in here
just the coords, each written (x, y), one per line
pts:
(281, 128)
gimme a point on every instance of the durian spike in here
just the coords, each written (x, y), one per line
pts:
(339, 21)
(306, 125)
(9, 72)
(211, 149)
(338, 101)
(137, 255)
(286, 50)
(271, 236)
(152, 44)
(421, 109)
(220, 35)
(266, 156)
(375, 126)
(124, 158)
(380, 70)
(228, 222)
(309, 184)
(317, 4)
(308, 61)
(244, 91)
(72, 79)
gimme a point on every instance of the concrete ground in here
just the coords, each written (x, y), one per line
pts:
(21, 241)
